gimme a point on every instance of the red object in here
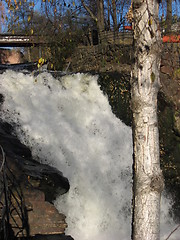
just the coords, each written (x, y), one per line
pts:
(128, 28)
(171, 39)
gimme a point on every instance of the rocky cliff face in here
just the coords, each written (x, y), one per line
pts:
(31, 189)
(170, 79)
(117, 58)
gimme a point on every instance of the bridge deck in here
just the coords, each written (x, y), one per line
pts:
(8, 40)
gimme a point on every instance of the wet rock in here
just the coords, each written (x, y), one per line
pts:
(41, 176)
(10, 56)
(177, 123)
(31, 189)
(166, 69)
(25, 67)
(52, 237)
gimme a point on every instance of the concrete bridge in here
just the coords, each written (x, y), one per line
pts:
(9, 40)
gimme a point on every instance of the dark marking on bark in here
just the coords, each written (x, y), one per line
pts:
(141, 67)
(137, 3)
(140, 50)
(151, 33)
(1, 98)
(153, 77)
(147, 49)
(157, 183)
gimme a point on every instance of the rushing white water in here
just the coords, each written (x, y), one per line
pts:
(69, 124)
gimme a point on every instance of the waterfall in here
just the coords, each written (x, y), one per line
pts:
(68, 124)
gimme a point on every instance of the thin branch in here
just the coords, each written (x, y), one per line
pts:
(172, 232)
(3, 158)
(89, 11)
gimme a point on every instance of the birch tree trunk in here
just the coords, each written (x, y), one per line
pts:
(148, 180)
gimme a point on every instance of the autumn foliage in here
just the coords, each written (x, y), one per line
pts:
(171, 38)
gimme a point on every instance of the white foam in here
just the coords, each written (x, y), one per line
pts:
(69, 124)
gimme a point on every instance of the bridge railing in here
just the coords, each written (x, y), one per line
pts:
(9, 40)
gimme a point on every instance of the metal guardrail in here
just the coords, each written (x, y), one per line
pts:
(13, 213)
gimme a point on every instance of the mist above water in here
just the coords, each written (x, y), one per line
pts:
(68, 123)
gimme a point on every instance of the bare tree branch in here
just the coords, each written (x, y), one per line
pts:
(176, 228)
(89, 11)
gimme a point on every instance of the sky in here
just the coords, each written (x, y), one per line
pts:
(175, 4)
(175, 8)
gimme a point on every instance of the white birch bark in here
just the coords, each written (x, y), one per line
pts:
(148, 179)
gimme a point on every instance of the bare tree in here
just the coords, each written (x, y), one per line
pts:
(169, 15)
(99, 18)
(114, 15)
(148, 179)
(108, 15)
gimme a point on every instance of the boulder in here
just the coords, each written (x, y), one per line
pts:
(8, 56)
(177, 123)
(41, 176)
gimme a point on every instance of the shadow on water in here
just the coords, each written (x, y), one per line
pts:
(169, 152)
(117, 87)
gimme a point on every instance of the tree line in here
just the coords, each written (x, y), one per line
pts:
(68, 23)
(100, 14)
(64, 24)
